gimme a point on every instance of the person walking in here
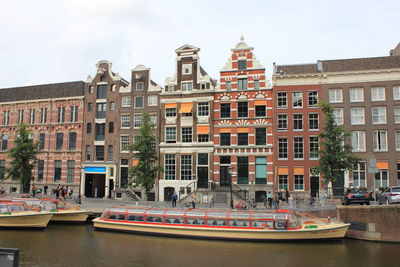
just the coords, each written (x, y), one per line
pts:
(311, 201)
(276, 202)
(57, 191)
(287, 194)
(323, 197)
(194, 200)
(211, 202)
(290, 201)
(269, 199)
(174, 199)
(33, 190)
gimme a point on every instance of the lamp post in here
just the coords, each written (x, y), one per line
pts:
(230, 178)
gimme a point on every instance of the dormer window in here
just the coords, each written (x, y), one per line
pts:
(186, 69)
(169, 88)
(242, 64)
(186, 86)
(139, 86)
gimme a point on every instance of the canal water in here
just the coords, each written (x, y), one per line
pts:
(81, 245)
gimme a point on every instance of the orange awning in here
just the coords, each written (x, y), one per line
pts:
(242, 130)
(260, 102)
(283, 171)
(186, 108)
(171, 105)
(382, 165)
(225, 130)
(203, 129)
(298, 171)
(135, 162)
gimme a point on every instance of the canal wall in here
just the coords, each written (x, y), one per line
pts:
(374, 223)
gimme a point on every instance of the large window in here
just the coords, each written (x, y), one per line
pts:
(298, 148)
(228, 86)
(313, 121)
(261, 170)
(125, 121)
(42, 137)
(397, 114)
(380, 140)
(101, 109)
(101, 91)
(2, 168)
(59, 141)
(398, 140)
(169, 167)
(338, 115)
(282, 122)
(297, 99)
(139, 86)
(137, 120)
(381, 178)
(61, 114)
(124, 172)
(242, 64)
(225, 110)
(298, 122)
(261, 111)
(126, 101)
(358, 141)
(203, 109)
(187, 135)
(87, 153)
(99, 153)
(314, 147)
(110, 150)
(312, 99)
(57, 170)
(186, 86)
(43, 115)
(357, 116)
(356, 95)
(138, 101)
(335, 96)
(100, 131)
(170, 112)
(170, 134)
(243, 170)
(299, 182)
(6, 117)
(186, 167)
(282, 148)
(203, 138)
(261, 136)
(73, 115)
(243, 139)
(20, 116)
(225, 139)
(70, 171)
(72, 141)
(32, 113)
(282, 100)
(378, 115)
(283, 182)
(242, 109)
(359, 175)
(256, 84)
(124, 143)
(40, 170)
(242, 84)
(378, 94)
(396, 92)
(152, 100)
(4, 142)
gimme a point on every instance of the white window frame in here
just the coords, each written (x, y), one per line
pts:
(378, 115)
(170, 167)
(294, 148)
(126, 101)
(280, 97)
(282, 117)
(360, 171)
(286, 151)
(186, 69)
(138, 97)
(308, 98)
(378, 93)
(152, 100)
(203, 108)
(335, 95)
(397, 137)
(396, 92)
(185, 136)
(125, 119)
(309, 148)
(396, 112)
(310, 119)
(356, 95)
(167, 135)
(186, 86)
(357, 116)
(295, 97)
(380, 140)
(121, 142)
(358, 141)
(298, 115)
(137, 120)
(139, 86)
(338, 115)
(186, 167)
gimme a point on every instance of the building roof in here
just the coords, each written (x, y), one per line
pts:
(296, 69)
(43, 91)
(355, 64)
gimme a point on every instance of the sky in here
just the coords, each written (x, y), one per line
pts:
(51, 41)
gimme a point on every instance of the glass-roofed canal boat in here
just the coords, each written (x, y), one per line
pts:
(219, 224)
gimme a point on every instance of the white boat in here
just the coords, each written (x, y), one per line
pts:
(18, 215)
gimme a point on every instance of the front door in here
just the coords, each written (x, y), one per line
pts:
(202, 177)
(225, 179)
(315, 186)
(89, 185)
(338, 185)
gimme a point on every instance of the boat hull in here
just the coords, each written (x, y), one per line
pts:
(331, 231)
(69, 216)
(25, 220)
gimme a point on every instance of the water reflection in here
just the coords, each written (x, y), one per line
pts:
(80, 245)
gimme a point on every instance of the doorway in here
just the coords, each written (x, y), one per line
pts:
(168, 191)
(314, 186)
(225, 179)
(338, 185)
(202, 177)
(95, 185)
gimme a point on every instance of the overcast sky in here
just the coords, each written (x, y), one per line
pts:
(58, 41)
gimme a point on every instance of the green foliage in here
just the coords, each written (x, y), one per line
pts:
(23, 158)
(145, 173)
(335, 151)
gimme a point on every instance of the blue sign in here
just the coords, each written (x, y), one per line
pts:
(95, 169)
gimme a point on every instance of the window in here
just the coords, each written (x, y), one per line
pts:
(139, 86)
(335, 96)
(243, 139)
(398, 173)
(112, 106)
(378, 115)
(57, 170)
(299, 182)
(297, 99)
(170, 112)
(202, 159)
(126, 101)
(124, 143)
(72, 141)
(298, 148)
(242, 109)
(225, 139)
(225, 110)
(242, 64)
(397, 140)
(256, 84)
(282, 122)
(170, 134)
(186, 86)
(314, 147)
(186, 69)
(70, 171)
(40, 170)
(397, 114)
(313, 121)
(139, 102)
(90, 106)
(2, 168)
(32, 116)
(298, 122)
(91, 89)
(261, 111)
(396, 92)
(124, 172)
(153, 120)
(357, 116)
(380, 140)
(4, 142)
(186, 167)
(261, 136)
(61, 114)
(312, 99)
(101, 109)
(137, 120)
(187, 135)
(381, 178)
(88, 152)
(59, 141)
(358, 141)
(6, 117)
(242, 84)
(203, 109)
(42, 137)
(99, 153)
(282, 148)
(228, 86)
(113, 88)
(203, 138)
(169, 165)
(88, 127)
(43, 115)
(100, 131)
(359, 175)
(378, 94)
(152, 100)
(282, 100)
(125, 121)
(243, 170)
(111, 127)
(261, 170)
(20, 116)
(73, 115)
(338, 115)
(356, 95)
(283, 182)
(101, 91)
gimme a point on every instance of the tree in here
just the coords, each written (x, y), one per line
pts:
(23, 158)
(145, 173)
(335, 151)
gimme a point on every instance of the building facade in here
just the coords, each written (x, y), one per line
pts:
(54, 114)
(243, 125)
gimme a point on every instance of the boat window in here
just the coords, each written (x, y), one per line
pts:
(216, 222)
(47, 205)
(112, 217)
(260, 215)
(141, 211)
(154, 219)
(155, 212)
(262, 224)
(294, 221)
(195, 221)
(239, 215)
(135, 218)
(196, 213)
(3, 208)
(239, 223)
(14, 208)
(121, 217)
(173, 220)
(175, 212)
(217, 214)
(117, 209)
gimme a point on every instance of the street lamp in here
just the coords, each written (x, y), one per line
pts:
(230, 178)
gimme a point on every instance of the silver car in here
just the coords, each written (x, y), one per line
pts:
(390, 195)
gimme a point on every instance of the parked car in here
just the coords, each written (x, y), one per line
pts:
(356, 196)
(390, 195)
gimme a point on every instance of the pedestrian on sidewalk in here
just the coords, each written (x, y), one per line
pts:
(276, 202)
(211, 202)
(194, 200)
(311, 201)
(323, 197)
(270, 199)
(33, 190)
(174, 198)
(290, 201)
(287, 194)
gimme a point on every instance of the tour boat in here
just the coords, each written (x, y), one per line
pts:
(62, 211)
(14, 214)
(219, 224)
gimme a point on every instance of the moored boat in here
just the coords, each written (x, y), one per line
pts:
(18, 215)
(219, 224)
